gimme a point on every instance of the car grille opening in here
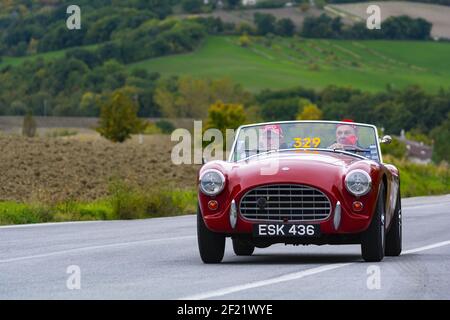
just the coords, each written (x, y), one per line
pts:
(285, 202)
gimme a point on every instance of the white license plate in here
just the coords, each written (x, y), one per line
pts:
(286, 230)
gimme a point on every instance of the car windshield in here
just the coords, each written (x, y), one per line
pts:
(357, 139)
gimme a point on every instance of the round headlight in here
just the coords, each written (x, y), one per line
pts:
(212, 182)
(358, 182)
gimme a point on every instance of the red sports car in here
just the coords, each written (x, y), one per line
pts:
(301, 182)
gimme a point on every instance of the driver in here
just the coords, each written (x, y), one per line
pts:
(346, 136)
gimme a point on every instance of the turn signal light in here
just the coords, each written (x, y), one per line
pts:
(357, 206)
(213, 205)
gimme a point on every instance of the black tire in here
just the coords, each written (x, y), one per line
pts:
(210, 244)
(394, 236)
(373, 239)
(242, 247)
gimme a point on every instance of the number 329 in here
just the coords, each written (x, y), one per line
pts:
(306, 142)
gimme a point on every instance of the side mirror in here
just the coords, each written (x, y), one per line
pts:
(386, 140)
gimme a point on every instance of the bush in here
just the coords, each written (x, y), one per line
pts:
(61, 133)
(130, 202)
(29, 126)
(118, 119)
(151, 128)
(244, 40)
(165, 126)
(395, 149)
(421, 180)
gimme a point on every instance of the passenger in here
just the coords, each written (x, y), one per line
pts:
(271, 138)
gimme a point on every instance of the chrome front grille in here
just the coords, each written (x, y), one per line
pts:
(285, 202)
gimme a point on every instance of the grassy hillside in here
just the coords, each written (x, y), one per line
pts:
(369, 65)
(288, 62)
(15, 61)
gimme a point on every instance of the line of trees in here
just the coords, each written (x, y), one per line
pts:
(441, 2)
(399, 28)
(28, 27)
(411, 109)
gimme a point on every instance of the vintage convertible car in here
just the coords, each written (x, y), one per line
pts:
(301, 182)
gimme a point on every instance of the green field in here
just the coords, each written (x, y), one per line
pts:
(15, 61)
(288, 62)
(369, 65)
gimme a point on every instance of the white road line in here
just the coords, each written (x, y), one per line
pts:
(429, 247)
(51, 224)
(293, 276)
(262, 283)
(112, 245)
(425, 205)
(48, 224)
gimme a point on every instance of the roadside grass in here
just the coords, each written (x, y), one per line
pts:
(125, 202)
(421, 180)
(56, 133)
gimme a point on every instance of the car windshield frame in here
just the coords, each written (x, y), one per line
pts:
(232, 158)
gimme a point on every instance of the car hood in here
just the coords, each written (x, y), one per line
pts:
(313, 168)
(323, 170)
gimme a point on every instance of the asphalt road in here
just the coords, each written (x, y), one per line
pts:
(158, 259)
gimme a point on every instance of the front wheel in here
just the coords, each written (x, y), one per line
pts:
(394, 236)
(373, 239)
(210, 244)
(242, 247)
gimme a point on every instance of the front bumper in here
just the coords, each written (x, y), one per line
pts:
(349, 222)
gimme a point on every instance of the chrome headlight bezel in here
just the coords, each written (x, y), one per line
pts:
(366, 176)
(219, 189)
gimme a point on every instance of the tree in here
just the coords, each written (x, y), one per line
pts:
(309, 111)
(285, 27)
(118, 118)
(441, 136)
(304, 7)
(192, 6)
(231, 4)
(265, 23)
(89, 104)
(280, 109)
(225, 116)
(322, 27)
(188, 97)
(29, 125)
